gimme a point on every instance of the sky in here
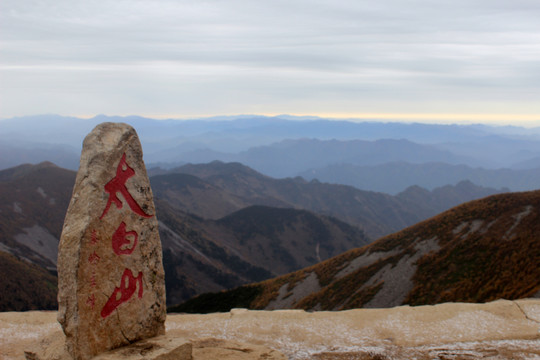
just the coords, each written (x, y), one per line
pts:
(428, 60)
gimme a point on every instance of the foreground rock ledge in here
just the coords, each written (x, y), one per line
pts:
(498, 330)
(157, 348)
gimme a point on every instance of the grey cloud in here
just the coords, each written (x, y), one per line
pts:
(318, 48)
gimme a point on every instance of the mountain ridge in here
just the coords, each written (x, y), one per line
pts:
(479, 251)
(377, 214)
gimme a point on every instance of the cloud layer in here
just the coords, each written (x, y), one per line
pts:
(189, 58)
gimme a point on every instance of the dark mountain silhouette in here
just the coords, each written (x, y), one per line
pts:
(477, 252)
(232, 186)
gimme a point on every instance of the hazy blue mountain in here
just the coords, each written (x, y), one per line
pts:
(63, 155)
(496, 151)
(288, 157)
(532, 163)
(239, 133)
(281, 145)
(395, 177)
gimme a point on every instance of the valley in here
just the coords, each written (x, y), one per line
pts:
(480, 251)
(222, 224)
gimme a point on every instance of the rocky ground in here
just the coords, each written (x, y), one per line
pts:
(497, 330)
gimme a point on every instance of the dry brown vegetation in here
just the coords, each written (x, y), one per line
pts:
(501, 262)
(30, 287)
(487, 249)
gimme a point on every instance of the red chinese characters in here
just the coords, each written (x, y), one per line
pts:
(120, 295)
(123, 242)
(118, 185)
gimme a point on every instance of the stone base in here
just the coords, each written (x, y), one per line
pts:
(157, 348)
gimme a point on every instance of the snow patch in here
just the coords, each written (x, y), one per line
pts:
(287, 300)
(427, 246)
(397, 283)
(471, 227)
(365, 260)
(17, 208)
(172, 238)
(518, 217)
(41, 192)
(5, 248)
(397, 280)
(41, 241)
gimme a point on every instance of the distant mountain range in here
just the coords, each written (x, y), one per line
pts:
(386, 157)
(480, 251)
(216, 189)
(391, 177)
(222, 225)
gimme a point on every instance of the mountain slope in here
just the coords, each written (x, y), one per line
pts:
(239, 244)
(477, 252)
(377, 214)
(25, 286)
(199, 254)
(252, 244)
(34, 199)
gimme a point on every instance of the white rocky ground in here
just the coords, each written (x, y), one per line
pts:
(497, 330)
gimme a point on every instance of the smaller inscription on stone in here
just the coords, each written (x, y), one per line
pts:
(110, 272)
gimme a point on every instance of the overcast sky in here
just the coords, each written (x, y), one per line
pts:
(406, 59)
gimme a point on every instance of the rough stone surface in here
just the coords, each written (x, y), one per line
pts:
(111, 288)
(498, 330)
(162, 347)
(157, 348)
(212, 348)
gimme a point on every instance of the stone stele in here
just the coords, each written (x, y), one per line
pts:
(111, 284)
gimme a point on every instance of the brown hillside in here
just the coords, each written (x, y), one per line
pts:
(377, 214)
(25, 286)
(34, 199)
(250, 245)
(200, 255)
(477, 252)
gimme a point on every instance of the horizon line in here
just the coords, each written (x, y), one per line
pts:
(428, 118)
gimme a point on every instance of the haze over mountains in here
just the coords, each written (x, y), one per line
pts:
(366, 155)
(222, 225)
(232, 207)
